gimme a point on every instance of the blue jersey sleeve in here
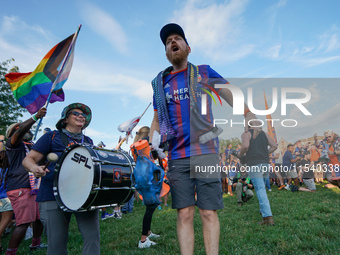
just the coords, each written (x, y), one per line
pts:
(215, 78)
(43, 145)
(154, 103)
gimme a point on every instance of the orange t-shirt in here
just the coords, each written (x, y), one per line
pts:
(315, 155)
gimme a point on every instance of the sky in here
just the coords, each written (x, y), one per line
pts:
(119, 52)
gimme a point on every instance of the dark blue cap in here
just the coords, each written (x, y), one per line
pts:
(169, 29)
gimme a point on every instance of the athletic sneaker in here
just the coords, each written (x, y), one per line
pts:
(106, 216)
(117, 215)
(270, 190)
(146, 244)
(287, 187)
(152, 235)
(282, 186)
(38, 247)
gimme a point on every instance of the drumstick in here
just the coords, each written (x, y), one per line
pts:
(51, 157)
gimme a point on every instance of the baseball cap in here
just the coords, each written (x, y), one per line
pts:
(169, 29)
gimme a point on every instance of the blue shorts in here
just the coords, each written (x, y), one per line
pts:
(183, 187)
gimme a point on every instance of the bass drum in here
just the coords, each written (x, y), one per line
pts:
(87, 178)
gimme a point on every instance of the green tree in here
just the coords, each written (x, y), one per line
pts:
(10, 110)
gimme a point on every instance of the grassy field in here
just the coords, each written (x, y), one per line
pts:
(306, 223)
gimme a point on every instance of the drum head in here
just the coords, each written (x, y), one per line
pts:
(75, 178)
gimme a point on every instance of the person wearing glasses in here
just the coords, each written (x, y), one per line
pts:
(331, 146)
(74, 119)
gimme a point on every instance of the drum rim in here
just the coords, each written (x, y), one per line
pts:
(87, 205)
(56, 178)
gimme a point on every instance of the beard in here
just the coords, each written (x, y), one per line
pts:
(177, 58)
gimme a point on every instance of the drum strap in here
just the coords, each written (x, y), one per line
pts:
(64, 138)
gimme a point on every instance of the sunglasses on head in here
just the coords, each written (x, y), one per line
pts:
(79, 113)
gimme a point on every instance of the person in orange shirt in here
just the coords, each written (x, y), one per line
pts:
(315, 155)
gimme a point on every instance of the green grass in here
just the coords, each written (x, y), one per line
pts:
(306, 223)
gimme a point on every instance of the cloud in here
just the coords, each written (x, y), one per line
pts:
(215, 29)
(28, 44)
(272, 11)
(106, 26)
(101, 79)
(323, 50)
(274, 52)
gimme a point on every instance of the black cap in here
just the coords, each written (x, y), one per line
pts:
(169, 29)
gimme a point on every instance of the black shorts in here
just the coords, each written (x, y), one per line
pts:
(183, 187)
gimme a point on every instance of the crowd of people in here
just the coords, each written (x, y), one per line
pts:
(28, 173)
(298, 167)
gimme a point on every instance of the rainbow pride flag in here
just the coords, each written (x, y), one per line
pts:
(33, 89)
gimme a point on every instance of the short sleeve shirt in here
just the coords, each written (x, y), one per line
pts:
(17, 176)
(286, 160)
(176, 90)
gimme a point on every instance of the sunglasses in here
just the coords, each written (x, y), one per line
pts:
(329, 136)
(79, 113)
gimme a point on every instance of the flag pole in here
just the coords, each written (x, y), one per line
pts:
(139, 118)
(145, 111)
(56, 79)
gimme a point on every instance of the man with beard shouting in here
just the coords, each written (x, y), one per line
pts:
(188, 129)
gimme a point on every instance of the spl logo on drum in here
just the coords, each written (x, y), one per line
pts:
(80, 158)
(117, 175)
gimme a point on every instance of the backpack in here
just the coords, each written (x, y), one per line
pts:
(148, 177)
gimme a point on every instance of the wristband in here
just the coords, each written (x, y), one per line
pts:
(34, 118)
(1, 141)
(246, 111)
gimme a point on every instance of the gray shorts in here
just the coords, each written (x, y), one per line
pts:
(5, 205)
(292, 174)
(183, 187)
(230, 181)
(309, 184)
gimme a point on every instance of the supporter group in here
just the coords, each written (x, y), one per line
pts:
(295, 167)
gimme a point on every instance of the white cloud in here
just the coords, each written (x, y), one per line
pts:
(106, 26)
(27, 44)
(324, 50)
(274, 52)
(215, 29)
(101, 79)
